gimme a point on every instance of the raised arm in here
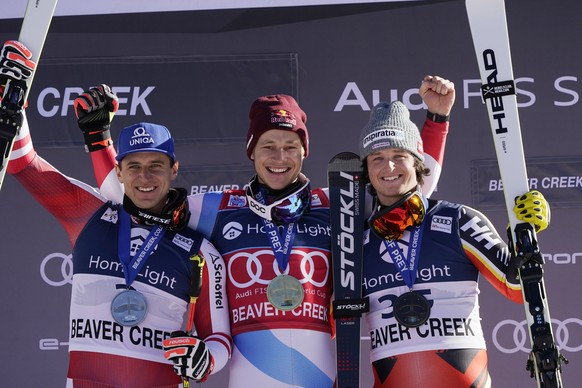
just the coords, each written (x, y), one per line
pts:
(70, 201)
(95, 109)
(439, 96)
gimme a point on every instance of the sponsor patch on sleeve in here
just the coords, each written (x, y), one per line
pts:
(441, 224)
(237, 201)
(183, 242)
(110, 215)
(315, 200)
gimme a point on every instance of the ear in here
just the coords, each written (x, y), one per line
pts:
(175, 170)
(118, 173)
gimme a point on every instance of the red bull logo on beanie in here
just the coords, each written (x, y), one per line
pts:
(283, 118)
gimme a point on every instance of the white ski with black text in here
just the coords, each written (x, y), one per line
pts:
(488, 24)
(35, 26)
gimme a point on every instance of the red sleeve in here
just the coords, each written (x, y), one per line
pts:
(105, 174)
(434, 137)
(103, 162)
(71, 202)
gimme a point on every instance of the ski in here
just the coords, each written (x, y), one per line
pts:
(35, 26)
(488, 25)
(347, 196)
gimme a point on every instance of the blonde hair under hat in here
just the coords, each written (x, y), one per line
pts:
(390, 127)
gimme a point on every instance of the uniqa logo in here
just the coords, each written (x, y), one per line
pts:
(140, 136)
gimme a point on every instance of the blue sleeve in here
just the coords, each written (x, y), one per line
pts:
(204, 210)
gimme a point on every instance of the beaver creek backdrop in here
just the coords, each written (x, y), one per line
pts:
(197, 68)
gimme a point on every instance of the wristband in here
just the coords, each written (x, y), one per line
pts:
(97, 140)
(437, 118)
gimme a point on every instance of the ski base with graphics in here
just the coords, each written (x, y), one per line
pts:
(347, 196)
(35, 26)
(488, 24)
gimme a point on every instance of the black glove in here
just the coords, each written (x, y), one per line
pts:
(11, 115)
(515, 262)
(190, 356)
(16, 67)
(95, 109)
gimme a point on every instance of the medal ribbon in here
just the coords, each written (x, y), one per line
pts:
(132, 266)
(407, 266)
(281, 247)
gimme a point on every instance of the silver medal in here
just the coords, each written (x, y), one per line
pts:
(129, 308)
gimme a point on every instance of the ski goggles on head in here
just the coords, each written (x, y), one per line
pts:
(391, 222)
(284, 210)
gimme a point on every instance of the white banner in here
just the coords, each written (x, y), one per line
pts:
(13, 9)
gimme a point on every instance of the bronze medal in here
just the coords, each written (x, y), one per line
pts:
(411, 309)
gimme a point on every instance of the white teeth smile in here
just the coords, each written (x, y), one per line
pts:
(277, 170)
(392, 178)
(145, 189)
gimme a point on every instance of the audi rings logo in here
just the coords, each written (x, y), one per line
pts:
(510, 336)
(246, 269)
(442, 220)
(56, 269)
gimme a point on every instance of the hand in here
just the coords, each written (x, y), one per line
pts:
(95, 108)
(532, 207)
(15, 62)
(438, 94)
(16, 66)
(190, 355)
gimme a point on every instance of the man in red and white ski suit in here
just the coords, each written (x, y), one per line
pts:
(121, 345)
(275, 348)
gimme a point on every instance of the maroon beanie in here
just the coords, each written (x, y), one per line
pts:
(279, 111)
